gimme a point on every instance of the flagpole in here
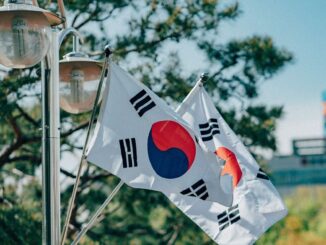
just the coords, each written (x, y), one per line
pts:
(83, 158)
(98, 213)
(203, 78)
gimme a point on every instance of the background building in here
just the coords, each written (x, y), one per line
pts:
(305, 166)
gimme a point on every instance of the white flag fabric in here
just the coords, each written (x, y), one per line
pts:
(144, 142)
(256, 203)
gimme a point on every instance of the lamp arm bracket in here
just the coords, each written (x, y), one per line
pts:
(65, 32)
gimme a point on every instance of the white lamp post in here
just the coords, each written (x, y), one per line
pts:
(28, 36)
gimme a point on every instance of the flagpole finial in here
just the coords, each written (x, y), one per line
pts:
(107, 50)
(204, 77)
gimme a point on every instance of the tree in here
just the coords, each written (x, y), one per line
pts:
(143, 45)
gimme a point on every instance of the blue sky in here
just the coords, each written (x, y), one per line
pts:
(299, 26)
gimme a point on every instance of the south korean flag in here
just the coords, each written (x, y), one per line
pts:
(198, 109)
(144, 142)
(256, 203)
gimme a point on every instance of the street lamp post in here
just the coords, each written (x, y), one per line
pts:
(27, 36)
(51, 144)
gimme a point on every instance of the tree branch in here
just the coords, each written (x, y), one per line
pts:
(27, 117)
(6, 152)
(25, 158)
(90, 17)
(75, 18)
(67, 173)
(15, 127)
(148, 44)
(73, 130)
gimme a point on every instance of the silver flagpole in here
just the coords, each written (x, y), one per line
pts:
(83, 158)
(97, 214)
(203, 77)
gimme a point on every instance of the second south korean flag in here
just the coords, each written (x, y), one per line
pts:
(256, 204)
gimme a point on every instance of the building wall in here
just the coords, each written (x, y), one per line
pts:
(298, 170)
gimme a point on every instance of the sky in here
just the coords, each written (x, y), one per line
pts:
(299, 26)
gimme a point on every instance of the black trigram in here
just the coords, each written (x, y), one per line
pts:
(228, 217)
(198, 189)
(128, 152)
(142, 102)
(262, 175)
(209, 129)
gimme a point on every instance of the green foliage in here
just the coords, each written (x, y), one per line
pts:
(20, 214)
(257, 57)
(18, 219)
(146, 32)
(304, 222)
(257, 126)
